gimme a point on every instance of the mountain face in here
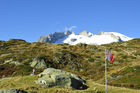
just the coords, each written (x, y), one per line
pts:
(52, 38)
(84, 37)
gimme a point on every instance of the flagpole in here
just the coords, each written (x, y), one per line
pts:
(105, 72)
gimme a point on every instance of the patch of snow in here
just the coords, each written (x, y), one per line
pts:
(104, 38)
(123, 37)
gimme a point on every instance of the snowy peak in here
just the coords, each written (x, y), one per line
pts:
(84, 37)
(85, 33)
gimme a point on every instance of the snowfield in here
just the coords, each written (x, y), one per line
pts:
(98, 39)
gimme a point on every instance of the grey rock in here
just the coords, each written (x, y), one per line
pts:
(101, 33)
(12, 91)
(43, 39)
(85, 33)
(7, 78)
(16, 63)
(38, 63)
(52, 38)
(2, 55)
(116, 37)
(68, 32)
(73, 39)
(10, 61)
(112, 35)
(56, 77)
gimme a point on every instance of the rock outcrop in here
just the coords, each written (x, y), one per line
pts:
(11, 61)
(56, 77)
(52, 38)
(43, 38)
(85, 33)
(38, 63)
(111, 34)
(12, 91)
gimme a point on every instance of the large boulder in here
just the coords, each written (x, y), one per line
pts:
(56, 77)
(38, 63)
(12, 91)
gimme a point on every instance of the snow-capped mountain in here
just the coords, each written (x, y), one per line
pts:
(84, 37)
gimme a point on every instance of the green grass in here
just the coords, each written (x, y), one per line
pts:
(27, 83)
(129, 77)
(84, 60)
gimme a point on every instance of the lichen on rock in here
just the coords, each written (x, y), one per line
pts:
(56, 77)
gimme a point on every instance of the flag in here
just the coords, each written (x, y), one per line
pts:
(109, 56)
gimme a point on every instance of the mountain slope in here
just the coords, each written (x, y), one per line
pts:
(84, 60)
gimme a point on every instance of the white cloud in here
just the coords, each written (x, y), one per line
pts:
(70, 28)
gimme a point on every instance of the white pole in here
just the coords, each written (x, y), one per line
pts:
(105, 72)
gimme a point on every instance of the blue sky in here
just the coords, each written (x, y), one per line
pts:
(29, 19)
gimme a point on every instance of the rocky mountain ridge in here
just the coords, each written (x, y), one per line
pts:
(84, 37)
(52, 38)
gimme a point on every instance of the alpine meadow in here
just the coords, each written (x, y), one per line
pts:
(87, 61)
(69, 46)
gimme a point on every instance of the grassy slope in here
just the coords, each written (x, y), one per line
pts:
(84, 60)
(27, 83)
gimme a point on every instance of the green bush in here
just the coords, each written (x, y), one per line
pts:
(24, 70)
(91, 59)
(41, 56)
(127, 70)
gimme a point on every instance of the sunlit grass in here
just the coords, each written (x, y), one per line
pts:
(27, 83)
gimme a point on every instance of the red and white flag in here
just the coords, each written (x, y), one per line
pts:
(109, 56)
